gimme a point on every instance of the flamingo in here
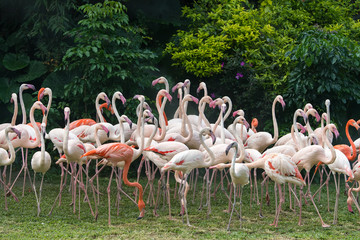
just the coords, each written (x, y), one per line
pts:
(6, 160)
(22, 88)
(40, 163)
(30, 138)
(186, 161)
(261, 140)
(73, 151)
(350, 152)
(239, 175)
(311, 155)
(42, 92)
(120, 152)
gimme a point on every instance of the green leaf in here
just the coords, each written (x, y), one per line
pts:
(15, 62)
(36, 70)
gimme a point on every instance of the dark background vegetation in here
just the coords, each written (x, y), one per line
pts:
(306, 51)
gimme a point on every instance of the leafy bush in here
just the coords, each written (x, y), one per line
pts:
(108, 55)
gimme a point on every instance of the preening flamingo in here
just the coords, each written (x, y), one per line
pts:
(261, 140)
(119, 152)
(40, 163)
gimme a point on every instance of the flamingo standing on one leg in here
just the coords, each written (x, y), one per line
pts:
(40, 162)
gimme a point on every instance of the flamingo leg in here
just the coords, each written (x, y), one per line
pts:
(261, 196)
(36, 196)
(168, 192)
(184, 199)
(337, 186)
(323, 224)
(59, 195)
(232, 209)
(195, 184)
(108, 192)
(158, 194)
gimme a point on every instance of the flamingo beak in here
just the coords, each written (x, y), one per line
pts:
(154, 82)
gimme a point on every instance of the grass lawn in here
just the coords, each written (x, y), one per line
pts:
(21, 221)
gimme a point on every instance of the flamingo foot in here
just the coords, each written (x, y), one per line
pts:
(260, 215)
(155, 213)
(324, 225)
(138, 218)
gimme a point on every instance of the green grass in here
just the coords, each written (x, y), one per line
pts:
(21, 222)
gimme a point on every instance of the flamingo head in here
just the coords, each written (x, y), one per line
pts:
(127, 120)
(177, 86)
(254, 122)
(120, 96)
(280, 99)
(302, 128)
(317, 116)
(105, 129)
(141, 206)
(239, 112)
(327, 103)
(202, 85)
(18, 133)
(41, 94)
(246, 124)
(41, 106)
(164, 93)
(302, 113)
(333, 128)
(13, 97)
(307, 107)
(29, 86)
(231, 145)
(186, 83)
(66, 114)
(223, 108)
(158, 80)
(354, 124)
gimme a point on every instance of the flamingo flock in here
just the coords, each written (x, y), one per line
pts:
(183, 144)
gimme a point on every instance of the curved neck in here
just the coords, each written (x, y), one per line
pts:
(139, 111)
(97, 106)
(132, 184)
(42, 141)
(208, 150)
(260, 163)
(13, 120)
(201, 109)
(178, 112)
(11, 159)
(295, 132)
(121, 127)
(227, 100)
(66, 137)
(276, 130)
(22, 105)
(328, 144)
(137, 152)
(37, 132)
(148, 142)
(308, 113)
(160, 110)
(44, 120)
(353, 154)
(97, 140)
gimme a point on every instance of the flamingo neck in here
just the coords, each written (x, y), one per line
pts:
(97, 106)
(162, 117)
(201, 109)
(276, 130)
(22, 104)
(37, 132)
(121, 136)
(141, 204)
(353, 154)
(13, 120)
(328, 144)
(11, 159)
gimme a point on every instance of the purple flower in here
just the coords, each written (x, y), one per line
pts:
(212, 95)
(222, 64)
(238, 75)
(242, 63)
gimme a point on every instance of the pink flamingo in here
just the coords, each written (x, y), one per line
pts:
(119, 152)
(309, 156)
(261, 140)
(6, 160)
(40, 162)
(186, 161)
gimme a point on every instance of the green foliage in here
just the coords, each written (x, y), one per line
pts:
(231, 32)
(327, 66)
(108, 54)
